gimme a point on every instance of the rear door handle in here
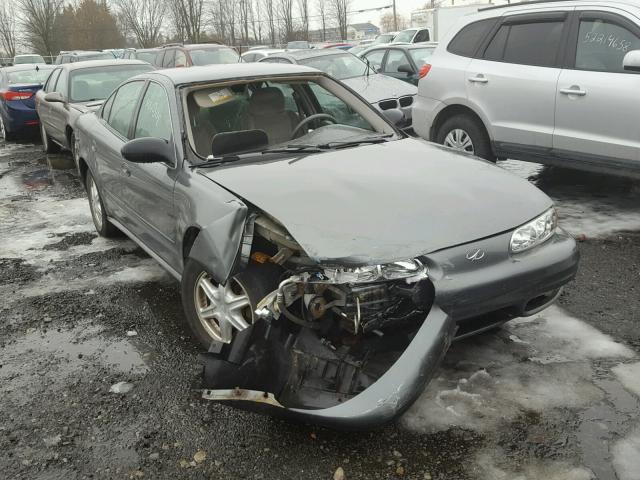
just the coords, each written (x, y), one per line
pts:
(573, 91)
(479, 79)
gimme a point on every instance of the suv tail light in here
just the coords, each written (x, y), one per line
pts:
(424, 70)
(9, 95)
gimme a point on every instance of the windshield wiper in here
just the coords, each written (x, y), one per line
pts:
(295, 148)
(354, 143)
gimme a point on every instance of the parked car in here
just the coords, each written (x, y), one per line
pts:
(325, 266)
(28, 58)
(547, 83)
(18, 85)
(76, 88)
(361, 47)
(257, 55)
(383, 92)
(413, 35)
(178, 55)
(82, 56)
(339, 46)
(400, 61)
(145, 54)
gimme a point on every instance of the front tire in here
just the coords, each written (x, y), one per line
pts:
(47, 144)
(99, 215)
(465, 133)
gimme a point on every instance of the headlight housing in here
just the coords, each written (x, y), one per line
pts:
(535, 232)
(409, 270)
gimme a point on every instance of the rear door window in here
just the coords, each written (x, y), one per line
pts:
(123, 106)
(168, 60)
(533, 43)
(602, 45)
(468, 40)
(181, 59)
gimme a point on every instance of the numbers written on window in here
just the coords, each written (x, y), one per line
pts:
(124, 104)
(602, 46)
(154, 119)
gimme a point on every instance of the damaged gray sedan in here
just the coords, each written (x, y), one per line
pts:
(327, 260)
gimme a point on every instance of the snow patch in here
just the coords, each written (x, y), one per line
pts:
(629, 376)
(626, 457)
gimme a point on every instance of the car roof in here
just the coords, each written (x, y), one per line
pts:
(405, 46)
(231, 71)
(311, 53)
(28, 66)
(192, 46)
(28, 55)
(100, 63)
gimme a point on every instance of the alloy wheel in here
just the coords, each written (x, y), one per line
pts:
(222, 308)
(96, 206)
(458, 139)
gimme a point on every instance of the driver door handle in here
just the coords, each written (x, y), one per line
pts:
(573, 91)
(479, 79)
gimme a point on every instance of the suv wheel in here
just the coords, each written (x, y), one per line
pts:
(103, 226)
(47, 145)
(466, 134)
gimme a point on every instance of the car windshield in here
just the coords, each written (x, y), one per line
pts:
(97, 83)
(421, 55)
(342, 66)
(294, 114)
(96, 56)
(385, 38)
(30, 76)
(28, 59)
(405, 36)
(146, 56)
(211, 56)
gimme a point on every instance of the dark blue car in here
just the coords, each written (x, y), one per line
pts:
(18, 86)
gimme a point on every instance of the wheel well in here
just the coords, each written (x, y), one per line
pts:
(187, 240)
(452, 111)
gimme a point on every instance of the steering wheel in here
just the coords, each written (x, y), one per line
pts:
(311, 118)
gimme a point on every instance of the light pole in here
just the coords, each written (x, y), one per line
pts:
(395, 17)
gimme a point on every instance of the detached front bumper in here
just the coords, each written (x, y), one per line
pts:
(384, 400)
(500, 284)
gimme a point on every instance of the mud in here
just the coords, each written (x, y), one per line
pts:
(551, 397)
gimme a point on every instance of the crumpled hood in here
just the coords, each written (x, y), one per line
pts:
(385, 202)
(376, 87)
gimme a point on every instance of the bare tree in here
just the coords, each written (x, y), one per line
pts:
(339, 10)
(388, 24)
(303, 6)
(7, 29)
(285, 12)
(270, 14)
(187, 19)
(143, 18)
(321, 6)
(38, 20)
(245, 13)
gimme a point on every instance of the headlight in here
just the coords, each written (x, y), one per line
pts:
(409, 270)
(535, 232)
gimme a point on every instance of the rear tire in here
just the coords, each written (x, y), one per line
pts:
(99, 215)
(465, 133)
(4, 134)
(47, 145)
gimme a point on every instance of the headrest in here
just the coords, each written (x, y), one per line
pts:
(266, 101)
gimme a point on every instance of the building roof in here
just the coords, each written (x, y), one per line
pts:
(364, 26)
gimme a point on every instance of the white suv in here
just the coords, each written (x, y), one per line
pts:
(554, 82)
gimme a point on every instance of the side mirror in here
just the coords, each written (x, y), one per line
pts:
(406, 68)
(631, 62)
(394, 115)
(55, 97)
(147, 150)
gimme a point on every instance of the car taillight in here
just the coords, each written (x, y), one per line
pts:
(424, 71)
(11, 95)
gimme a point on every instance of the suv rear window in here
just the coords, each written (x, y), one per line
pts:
(467, 41)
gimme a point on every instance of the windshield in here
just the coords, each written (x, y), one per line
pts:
(211, 56)
(30, 76)
(28, 59)
(97, 83)
(405, 36)
(421, 55)
(146, 56)
(286, 113)
(96, 56)
(338, 66)
(385, 38)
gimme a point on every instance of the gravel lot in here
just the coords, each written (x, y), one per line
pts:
(555, 397)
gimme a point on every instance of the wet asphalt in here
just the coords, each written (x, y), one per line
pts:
(551, 397)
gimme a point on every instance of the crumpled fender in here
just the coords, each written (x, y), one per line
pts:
(217, 244)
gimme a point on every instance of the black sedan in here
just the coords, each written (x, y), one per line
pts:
(325, 264)
(405, 62)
